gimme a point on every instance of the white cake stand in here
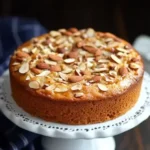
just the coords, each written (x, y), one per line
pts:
(82, 137)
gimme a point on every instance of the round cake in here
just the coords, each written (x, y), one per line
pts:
(76, 76)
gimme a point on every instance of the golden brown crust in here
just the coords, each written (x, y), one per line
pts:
(88, 83)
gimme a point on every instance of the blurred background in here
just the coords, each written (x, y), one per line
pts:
(125, 18)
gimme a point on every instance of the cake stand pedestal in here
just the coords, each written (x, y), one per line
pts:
(81, 137)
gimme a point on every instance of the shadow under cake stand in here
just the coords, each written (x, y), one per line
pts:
(70, 137)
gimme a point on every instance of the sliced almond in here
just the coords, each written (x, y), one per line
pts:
(112, 44)
(62, 30)
(76, 87)
(77, 34)
(113, 73)
(34, 85)
(122, 50)
(61, 89)
(70, 39)
(34, 50)
(67, 33)
(90, 32)
(55, 57)
(99, 44)
(42, 66)
(28, 78)
(52, 47)
(55, 33)
(90, 59)
(120, 54)
(55, 68)
(50, 62)
(134, 66)
(50, 88)
(109, 79)
(35, 70)
(63, 76)
(69, 60)
(135, 59)
(75, 79)
(44, 73)
(25, 50)
(60, 40)
(15, 64)
(89, 64)
(115, 58)
(24, 68)
(79, 94)
(123, 71)
(78, 72)
(102, 87)
(103, 61)
(67, 70)
(82, 67)
(90, 49)
(100, 69)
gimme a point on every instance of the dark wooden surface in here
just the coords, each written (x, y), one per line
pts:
(124, 18)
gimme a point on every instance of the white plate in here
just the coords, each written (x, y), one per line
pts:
(132, 118)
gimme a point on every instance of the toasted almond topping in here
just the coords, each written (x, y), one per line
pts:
(22, 54)
(69, 60)
(90, 32)
(67, 70)
(135, 59)
(103, 61)
(89, 64)
(52, 47)
(55, 33)
(34, 50)
(82, 67)
(28, 78)
(90, 58)
(98, 52)
(60, 40)
(15, 63)
(49, 62)
(75, 79)
(96, 78)
(55, 68)
(63, 76)
(115, 58)
(35, 70)
(25, 50)
(134, 66)
(73, 30)
(90, 49)
(76, 87)
(34, 85)
(113, 73)
(73, 54)
(67, 33)
(112, 44)
(80, 44)
(50, 88)
(78, 72)
(102, 87)
(109, 79)
(123, 71)
(120, 54)
(24, 68)
(79, 94)
(122, 50)
(70, 39)
(77, 34)
(61, 89)
(42, 66)
(62, 30)
(44, 73)
(100, 69)
(55, 57)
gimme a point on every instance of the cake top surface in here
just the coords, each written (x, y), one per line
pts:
(74, 64)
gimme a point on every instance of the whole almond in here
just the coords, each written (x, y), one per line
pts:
(55, 57)
(22, 54)
(123, 71)
(98, 52)
(90, 49)
(80, 44)
(73, 54)
(67, 33)
(73, 30)
(55, 68)
(75, 78)
(35, 70)
(96, 78)
(42, 66)
(135, 59)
